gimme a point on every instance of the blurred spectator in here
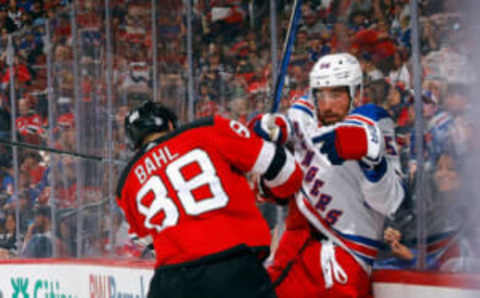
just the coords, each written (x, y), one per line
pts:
(5, 121)
(372, 73)
(66, 229)
(137, 78)
(29, 123)
(8, 237)
(66, 186)
(399, 74)
(7, 23)
(37, 13)
(437, 85)
(22, 74)
(225, 19)
(457, 104)
(438, 132)
(67, 133)
(375, 41)
(300, 55)
(205, 105)
(30, 163)
(397, 103)
(429, 39)
(239, 109)
(376, 92)
(6, 175)
(25, 205)
(447, 214)
(31, 47)
(16, 12)
(38, 242)
(120, 150)
(359, 7)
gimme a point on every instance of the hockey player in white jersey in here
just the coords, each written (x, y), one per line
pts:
(351, 182)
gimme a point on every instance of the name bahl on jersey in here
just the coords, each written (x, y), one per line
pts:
(188, 189)
(345, 202)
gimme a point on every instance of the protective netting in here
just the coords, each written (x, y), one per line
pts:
(70, 71)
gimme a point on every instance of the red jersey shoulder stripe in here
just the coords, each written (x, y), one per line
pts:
(305, 103)
(361, 119)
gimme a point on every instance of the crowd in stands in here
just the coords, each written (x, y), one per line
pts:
(232, 70)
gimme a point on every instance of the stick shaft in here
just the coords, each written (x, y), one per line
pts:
(286, 53)
(58, 151)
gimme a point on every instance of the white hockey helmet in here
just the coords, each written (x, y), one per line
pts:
(337, 70)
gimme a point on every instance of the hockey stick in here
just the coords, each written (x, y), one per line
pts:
(286, 52)
(58, 151)
(77, 210)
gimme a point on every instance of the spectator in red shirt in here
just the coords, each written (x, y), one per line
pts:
(205, 106)
(29, 123)
(21, 71)
(31, 164)
(376, 41)
(67, 133)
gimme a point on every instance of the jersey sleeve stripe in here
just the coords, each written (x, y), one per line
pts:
(284, 174)
(353, 122)
(305, 103)
(360, 118)
(290, 186)
(363, 240)
(303, 109)
(264, 159)
(277, 164)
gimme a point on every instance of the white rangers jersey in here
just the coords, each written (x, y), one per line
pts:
(346, 202)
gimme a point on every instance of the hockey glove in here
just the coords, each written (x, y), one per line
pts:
(264, 194)
(351, 142)
(271, 127)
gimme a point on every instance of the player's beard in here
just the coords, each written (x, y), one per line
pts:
(329, 118)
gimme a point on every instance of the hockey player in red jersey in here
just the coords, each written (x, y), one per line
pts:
(186, 188)
(351, 182)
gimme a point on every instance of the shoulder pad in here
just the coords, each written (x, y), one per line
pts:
(372, 112)
(305, 105)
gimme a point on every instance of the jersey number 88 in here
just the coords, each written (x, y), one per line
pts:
(162, 203)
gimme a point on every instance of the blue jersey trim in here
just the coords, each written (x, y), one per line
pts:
(374, 175)
(318, 139)
(363, 240)
(367, 260)
(371, 111)
(353, 122)
(302, 108)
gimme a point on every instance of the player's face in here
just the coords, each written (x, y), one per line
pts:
(333, 104)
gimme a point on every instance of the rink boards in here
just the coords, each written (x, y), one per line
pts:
(121, 279)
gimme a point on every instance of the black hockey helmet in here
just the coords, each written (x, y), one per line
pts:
(147, 118)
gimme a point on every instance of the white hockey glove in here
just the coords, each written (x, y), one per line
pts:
(271, 127)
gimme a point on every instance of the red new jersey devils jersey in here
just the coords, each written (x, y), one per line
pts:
(188, 191)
